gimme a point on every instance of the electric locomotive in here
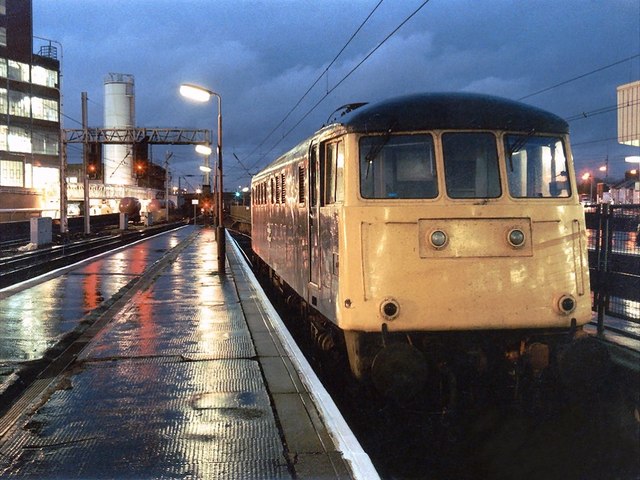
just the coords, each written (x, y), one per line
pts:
(431, 234)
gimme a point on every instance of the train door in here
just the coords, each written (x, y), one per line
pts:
(314, 219)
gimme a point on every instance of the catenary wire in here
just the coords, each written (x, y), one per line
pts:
(344, 78)
(315, 82)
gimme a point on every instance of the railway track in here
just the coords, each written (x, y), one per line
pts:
(19, 267)
(567, 434)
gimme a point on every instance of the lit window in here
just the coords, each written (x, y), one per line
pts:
(44, 109)
(19, 104)
(18, 71)
(19, 140)
(11, 173)
(44, 76)
(3, 101)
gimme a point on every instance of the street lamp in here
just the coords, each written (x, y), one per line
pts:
(201, 94)
(206, 151)
(585, 177)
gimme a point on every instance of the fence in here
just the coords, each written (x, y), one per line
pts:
(614, 265)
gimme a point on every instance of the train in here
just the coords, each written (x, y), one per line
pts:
(434, 239)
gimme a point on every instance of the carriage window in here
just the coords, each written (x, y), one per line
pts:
(471, 165)
(400, 166)
(333, 171)
(536, 167)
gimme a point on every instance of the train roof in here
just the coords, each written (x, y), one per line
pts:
(429, 111)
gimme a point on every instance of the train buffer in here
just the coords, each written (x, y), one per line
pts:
(189, 374)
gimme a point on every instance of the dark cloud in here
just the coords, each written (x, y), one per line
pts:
(262, 56)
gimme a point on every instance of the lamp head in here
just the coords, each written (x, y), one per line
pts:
(203, 149)
(194, 92)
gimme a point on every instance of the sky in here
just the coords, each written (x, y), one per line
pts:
(263, 57)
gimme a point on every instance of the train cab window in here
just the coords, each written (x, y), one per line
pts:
(471, 165)
(398, 166)
(333, 172)
(536, 167)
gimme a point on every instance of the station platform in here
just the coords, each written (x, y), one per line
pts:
(189, 374)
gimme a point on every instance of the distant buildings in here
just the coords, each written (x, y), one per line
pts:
(29, 118)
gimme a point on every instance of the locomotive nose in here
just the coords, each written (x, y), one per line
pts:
(399, 371)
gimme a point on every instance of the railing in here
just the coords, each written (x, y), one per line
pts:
(614, 265)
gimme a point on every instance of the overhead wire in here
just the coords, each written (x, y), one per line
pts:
(599, 111)
(316, 80)
(580, 76)
(344, 78)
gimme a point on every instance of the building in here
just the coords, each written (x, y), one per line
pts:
(628, 192)
(629, 114)
(29, 118)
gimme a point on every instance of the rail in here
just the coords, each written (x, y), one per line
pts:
(24, 266)
(614, 266)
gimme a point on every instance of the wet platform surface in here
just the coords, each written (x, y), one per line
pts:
(187, 378)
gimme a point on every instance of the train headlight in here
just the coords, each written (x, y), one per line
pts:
(516, 238)
(389, 308)
(438, 239)
(567, 304)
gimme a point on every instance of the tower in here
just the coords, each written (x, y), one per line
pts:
(119, 112)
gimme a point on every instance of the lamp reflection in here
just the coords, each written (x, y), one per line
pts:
(91, 286)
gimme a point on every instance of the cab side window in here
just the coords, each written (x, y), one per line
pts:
(333, 162)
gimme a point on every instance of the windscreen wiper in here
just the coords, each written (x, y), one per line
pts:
(517, 145)
(376, 148)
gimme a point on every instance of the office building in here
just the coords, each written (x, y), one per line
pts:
(29, 117)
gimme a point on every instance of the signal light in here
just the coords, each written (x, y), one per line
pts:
(140, 167)
(94, 160)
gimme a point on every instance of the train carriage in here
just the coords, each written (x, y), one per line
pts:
(431, 220)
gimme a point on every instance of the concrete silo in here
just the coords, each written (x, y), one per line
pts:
(119, 112)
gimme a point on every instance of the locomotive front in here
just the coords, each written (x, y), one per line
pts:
(461, 236)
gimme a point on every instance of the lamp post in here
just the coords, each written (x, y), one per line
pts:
(200, 94)
(206, 169)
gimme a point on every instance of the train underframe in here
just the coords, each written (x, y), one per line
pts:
(456, 369)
